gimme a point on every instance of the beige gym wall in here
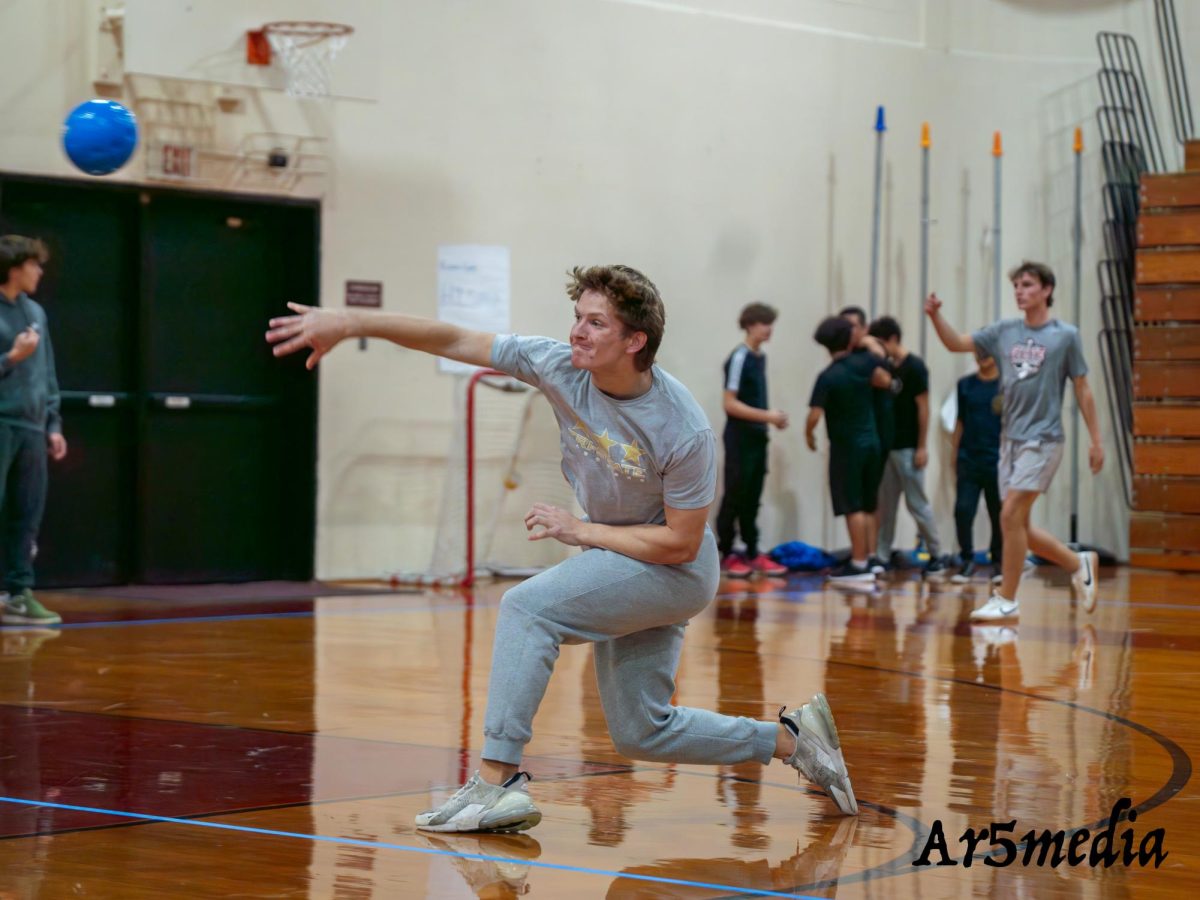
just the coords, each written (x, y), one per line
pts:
(725, 147)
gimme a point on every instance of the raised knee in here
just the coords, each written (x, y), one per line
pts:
(514, 600)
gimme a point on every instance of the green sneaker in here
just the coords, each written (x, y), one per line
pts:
(24, 609)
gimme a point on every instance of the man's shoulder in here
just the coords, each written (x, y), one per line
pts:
(1065, 328)
(685, 414)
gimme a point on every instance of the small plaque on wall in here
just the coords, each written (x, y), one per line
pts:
(364, 293)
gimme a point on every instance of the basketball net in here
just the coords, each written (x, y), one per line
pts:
(307, 51)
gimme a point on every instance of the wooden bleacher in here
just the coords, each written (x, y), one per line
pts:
(1164, 530)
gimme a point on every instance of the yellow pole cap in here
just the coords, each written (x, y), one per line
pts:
(1078, 140)
(925, 142)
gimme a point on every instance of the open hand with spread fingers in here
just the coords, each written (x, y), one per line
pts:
(555, 522)
(319, 329)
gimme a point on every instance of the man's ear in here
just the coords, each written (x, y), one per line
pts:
(636, 342)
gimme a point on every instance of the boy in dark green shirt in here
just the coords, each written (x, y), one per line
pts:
(30, 424)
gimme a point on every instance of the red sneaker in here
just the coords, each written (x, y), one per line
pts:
(764, 565)
(734, 566)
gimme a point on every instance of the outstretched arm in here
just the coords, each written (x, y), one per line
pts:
(953, 341)
(1087, 406)
(324, 329)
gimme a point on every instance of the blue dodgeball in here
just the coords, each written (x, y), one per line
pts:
(99, 136)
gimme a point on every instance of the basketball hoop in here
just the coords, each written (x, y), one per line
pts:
(307, 50)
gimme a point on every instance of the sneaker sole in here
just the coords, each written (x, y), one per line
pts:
(1089, 594)
(9, 618)
(995, 617)
(840, 792)
(520, 819)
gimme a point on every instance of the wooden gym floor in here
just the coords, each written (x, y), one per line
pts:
(280, 749)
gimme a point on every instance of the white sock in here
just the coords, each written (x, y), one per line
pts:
(861, 563)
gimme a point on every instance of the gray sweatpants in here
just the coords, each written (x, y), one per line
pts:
(635, 613)
(900, 475)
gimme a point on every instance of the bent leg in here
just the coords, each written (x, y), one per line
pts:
(594, 596)
(636, 675)
(1047, 546)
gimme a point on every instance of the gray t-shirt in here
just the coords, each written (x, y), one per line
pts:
(1035, 364)
(625, 459)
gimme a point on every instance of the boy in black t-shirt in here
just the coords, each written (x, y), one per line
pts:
(843, 394)
(745, 438)
(977, 458)
(881, 398)
(904, 468)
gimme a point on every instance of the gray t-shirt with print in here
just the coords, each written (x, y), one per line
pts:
(625, 459)
(1035, 364)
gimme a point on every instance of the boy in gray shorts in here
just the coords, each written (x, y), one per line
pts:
(641, 457)
(1036, 355)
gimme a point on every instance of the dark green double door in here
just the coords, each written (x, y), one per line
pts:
(192, 450)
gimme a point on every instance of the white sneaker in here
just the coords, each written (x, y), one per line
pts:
(996, 608)
(1084, 579)
(818, 753)
(479, 806)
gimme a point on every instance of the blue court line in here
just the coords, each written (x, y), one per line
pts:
(382, 845)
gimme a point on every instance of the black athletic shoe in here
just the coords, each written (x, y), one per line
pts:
(966, 573)
(876, 565)
(848, 571)
(935, 570)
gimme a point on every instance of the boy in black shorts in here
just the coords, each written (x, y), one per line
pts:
(843, 394)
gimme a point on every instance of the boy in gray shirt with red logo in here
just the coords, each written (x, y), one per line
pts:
(640, 454)
(1036, 355)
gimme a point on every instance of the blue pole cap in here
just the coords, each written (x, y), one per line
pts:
(879, 122)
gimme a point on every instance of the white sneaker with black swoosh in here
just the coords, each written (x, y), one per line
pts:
(996, 608)
(1084, 579)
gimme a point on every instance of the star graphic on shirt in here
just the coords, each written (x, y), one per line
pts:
(633, 452)
(605, 441)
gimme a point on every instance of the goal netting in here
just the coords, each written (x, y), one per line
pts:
(504, 457)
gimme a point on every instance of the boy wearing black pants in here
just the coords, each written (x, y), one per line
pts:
(843, 394)
(977, 458)
(745, 438)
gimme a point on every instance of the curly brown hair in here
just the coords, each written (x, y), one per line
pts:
(635, 302)
(757, 313)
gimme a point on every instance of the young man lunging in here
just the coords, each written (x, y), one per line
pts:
(641, 457)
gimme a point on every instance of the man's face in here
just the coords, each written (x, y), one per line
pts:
(860, 329)
(760, 332)
(599, 341)
(26, 276)
(987, 366)
(1030, 292)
